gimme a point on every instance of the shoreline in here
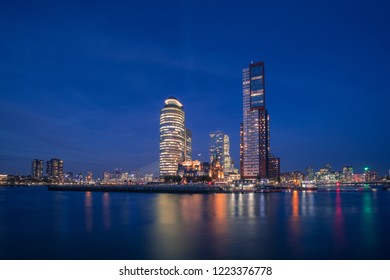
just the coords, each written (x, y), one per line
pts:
(201, 188)
(140, 188)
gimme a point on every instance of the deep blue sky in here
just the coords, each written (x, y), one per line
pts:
(85, 81)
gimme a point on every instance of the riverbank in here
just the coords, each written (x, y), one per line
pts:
(144, 188)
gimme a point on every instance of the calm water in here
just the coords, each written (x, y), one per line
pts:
(38, 224)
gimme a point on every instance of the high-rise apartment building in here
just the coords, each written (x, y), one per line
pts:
(188, 145)
(175, 139)
(55, 169)
(274, 168)
(254, 134)
(227, 160)
(220, 148)
(37, 168)
(216, 145)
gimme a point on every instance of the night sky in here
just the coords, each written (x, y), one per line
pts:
(85, 81)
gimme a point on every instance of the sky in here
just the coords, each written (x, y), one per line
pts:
(84, 81)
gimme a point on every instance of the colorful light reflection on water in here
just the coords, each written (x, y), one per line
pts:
(38, 224)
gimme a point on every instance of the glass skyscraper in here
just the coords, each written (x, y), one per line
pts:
(220, 148)
(254, 147)
(216, 146)
(175, 139)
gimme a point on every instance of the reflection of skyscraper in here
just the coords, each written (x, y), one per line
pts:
(55, 168)
(37, 168)
(175, 143)
(255, 144)
(220, 148)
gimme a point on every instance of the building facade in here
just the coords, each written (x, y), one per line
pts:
(274, 168)
(188, 145)
(175, 143)
(55, 169)
(193, 169)
(37, 168)
(255, 131)
(219, 148)
(216, 147)
(255, 160)
(227, 160)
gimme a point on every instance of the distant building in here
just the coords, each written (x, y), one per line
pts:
(370, 175)
(120, 177)
(216, 145)
(37, 168)
(79, 178)
(274, 168)
(55, 169)
(175, 143)
(326, 175)
(233, 176)
(292, 178)
(188, 145)
(220, 148)
(227, 161)
(69, 177)
(89, 178)
(216, 170)
(347, 174)
(106, 177)
(309, 173)
(148, 178)
(3, 179)
(357, 178)
(193, 169)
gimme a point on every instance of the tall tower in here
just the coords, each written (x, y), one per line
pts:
(37, 168)
(216, 146)
(254, 148)
(227, 160)
(172, 137)
(220, 148)
(188, 145)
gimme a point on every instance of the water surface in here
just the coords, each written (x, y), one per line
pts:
(40, 224)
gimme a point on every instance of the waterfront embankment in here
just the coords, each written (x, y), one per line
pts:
(145, 188)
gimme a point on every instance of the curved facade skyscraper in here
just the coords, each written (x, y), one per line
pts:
(172, 137)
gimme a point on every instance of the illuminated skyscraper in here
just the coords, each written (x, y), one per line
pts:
(188, 144)
(172, 137)
(55, 169)
(220, 148)
(254, 135)
(216, 146)
(37, 168)
(227, 160)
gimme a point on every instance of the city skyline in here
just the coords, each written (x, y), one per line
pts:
(89, 91)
